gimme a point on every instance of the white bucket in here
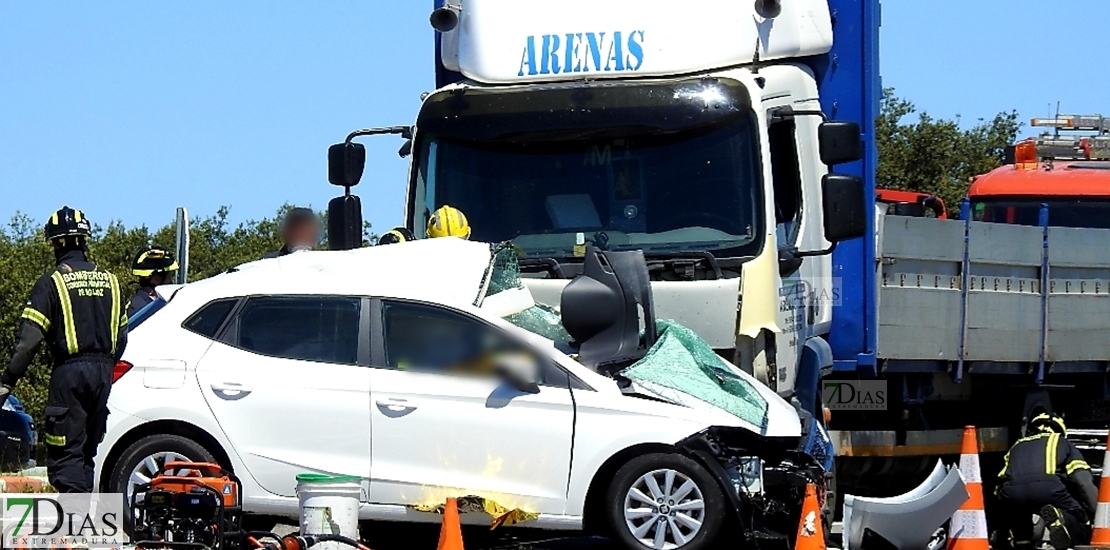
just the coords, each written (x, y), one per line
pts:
(329, 506)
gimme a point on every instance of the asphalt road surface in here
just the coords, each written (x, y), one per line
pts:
(393, 536)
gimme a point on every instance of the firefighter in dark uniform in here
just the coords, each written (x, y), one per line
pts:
(153, 265)
(79, 310)
(1045, 474)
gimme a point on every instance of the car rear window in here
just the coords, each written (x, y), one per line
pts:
(145, 313)
(311, 328)
(208, 319)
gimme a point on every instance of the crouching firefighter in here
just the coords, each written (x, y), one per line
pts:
(77, 308)
(1045, 474)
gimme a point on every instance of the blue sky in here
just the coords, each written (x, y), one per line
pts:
(128, 109)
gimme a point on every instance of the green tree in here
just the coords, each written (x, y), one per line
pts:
(934, 155)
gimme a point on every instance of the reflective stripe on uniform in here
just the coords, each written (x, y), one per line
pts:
(1077, 464)
(54, 440)
(114, 319)
(67, 313)
(1050, 454)
(35, 316)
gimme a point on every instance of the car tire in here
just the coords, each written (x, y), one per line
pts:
(159, 445)
(635, 515)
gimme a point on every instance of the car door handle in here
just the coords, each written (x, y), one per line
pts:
(231, 389)
(396, 404)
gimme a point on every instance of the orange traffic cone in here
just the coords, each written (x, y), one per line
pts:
(450, 535)
(811, 533)
(968, 530)
(1101, 534)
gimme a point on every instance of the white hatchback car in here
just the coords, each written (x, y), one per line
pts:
(363, 363)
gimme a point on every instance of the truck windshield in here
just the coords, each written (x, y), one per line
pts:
(542, 180)
(1061, 213)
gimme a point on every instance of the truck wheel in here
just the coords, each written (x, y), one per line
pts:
(665, 501)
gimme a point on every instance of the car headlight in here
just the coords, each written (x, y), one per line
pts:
(8, 406)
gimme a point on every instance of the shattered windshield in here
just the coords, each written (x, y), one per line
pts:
(666, 179)
(539, 319)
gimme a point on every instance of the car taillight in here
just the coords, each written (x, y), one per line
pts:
(121, 369)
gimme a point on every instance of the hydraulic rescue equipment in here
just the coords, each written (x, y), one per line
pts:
(198, 506)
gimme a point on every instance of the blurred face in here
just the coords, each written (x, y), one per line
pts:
(160, 279)
(302, 234)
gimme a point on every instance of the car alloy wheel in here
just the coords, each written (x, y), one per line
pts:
(664, 509)
(149, 467)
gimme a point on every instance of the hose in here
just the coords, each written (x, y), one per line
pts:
(304, 542)
(254, 536)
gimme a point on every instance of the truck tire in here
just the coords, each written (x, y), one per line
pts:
(664, 500)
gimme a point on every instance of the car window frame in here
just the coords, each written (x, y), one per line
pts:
(223, 324)
(230, 331)
(555, 375)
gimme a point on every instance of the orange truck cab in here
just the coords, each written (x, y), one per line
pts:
(911, 203)
(1070, 175)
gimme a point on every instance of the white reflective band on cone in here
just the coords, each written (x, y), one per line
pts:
(1102, 515)
(968, 524)
(969, 468)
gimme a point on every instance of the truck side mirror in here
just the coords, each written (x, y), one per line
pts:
(844, 204)
(345, 223)
(839, 142)
(346, 161)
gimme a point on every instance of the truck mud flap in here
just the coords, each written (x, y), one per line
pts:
(930, 505)
(914, 443)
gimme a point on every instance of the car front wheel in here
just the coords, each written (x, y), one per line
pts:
(665, 501)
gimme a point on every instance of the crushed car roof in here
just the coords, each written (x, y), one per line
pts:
(447, 270)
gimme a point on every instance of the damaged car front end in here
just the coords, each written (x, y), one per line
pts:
(765, 478)
(761, 451)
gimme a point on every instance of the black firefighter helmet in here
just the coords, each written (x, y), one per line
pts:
(67, 222)
(397, 235)
(151, 260)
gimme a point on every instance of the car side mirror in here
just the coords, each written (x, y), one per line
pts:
(600, 308)
(346, 162)
(843, 206)
(520, 369)
(839, 142)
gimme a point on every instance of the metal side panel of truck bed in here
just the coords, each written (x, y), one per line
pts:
(1005, 298)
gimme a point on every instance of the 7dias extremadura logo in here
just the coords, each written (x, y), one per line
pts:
(89, 520)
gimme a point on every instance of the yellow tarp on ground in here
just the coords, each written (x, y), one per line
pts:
(501, 515)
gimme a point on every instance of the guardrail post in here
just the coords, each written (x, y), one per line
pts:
(1042, 220)
(965, 281)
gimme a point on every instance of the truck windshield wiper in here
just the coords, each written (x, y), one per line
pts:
(683, 263)
(550, 265)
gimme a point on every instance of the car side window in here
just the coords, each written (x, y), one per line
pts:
(209, 318)
(310, 328)
(426, 338)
